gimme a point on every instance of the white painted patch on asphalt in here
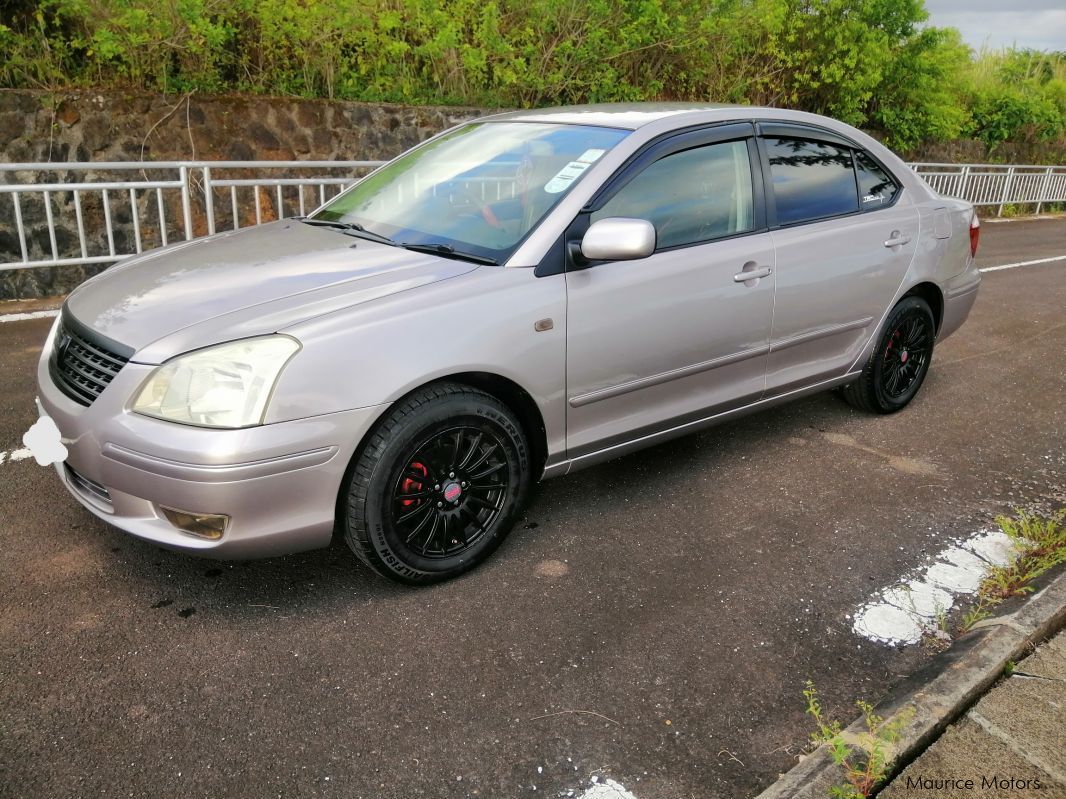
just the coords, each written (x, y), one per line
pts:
(919, 598)
(15, 455)
(888, 624)
(1023, 263)
(607, 789)
(903, 613)
(24, 317)
(995, 547)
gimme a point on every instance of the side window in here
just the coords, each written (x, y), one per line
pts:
(876, 188)
(691, 196)
(811, 179)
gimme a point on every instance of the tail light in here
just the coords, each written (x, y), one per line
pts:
(975, 234)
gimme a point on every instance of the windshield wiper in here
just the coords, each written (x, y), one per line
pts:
(448, 251)
(349, 228)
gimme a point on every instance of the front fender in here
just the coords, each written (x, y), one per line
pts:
(482, 321)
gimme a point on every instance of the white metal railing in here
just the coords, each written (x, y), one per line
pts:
(83, 219)
(101, 212)
(997, 184)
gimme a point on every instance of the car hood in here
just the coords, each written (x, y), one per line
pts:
(244, 283)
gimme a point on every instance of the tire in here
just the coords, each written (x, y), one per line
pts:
(900, 361)
(405, 517)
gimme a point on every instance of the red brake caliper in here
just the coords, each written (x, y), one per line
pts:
(891, 342)
(409, 484)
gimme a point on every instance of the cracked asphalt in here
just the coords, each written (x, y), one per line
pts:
(652, 620)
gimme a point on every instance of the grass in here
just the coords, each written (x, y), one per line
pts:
(866, 758)
(936, 636)
(1040, 544)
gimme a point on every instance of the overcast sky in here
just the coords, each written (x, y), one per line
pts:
(1040, 24)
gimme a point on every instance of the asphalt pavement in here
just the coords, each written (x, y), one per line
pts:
(652, 620)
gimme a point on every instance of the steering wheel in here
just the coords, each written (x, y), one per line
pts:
(482, 208)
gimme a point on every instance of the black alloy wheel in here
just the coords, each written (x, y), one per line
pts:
(906, 356)
(438, 484)
(450, 492)
(900, 361)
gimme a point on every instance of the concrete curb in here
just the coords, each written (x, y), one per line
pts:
(941, 692)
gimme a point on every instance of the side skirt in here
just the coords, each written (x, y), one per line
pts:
(640, 442)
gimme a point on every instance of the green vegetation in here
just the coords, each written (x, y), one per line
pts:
(1040, 543)
(1018, 96)
(865, 758)
(868, 62)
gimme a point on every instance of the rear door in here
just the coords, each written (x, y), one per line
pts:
(844, 236)
(655, 342)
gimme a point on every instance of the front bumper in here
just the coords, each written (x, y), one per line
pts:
(278, 483)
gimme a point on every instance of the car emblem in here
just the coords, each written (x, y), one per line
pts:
(63, 345)
(452, 492)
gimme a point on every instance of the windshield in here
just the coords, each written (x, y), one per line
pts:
(477, 190)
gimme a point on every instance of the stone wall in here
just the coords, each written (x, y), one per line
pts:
(93, 126)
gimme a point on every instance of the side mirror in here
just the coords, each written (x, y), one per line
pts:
(618, 239)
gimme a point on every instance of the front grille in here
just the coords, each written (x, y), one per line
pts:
(82, 369)
(89, 488)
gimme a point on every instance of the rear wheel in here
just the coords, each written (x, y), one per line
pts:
(900, 361)
(438, 485)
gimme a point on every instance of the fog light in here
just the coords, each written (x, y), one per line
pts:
(202, 525)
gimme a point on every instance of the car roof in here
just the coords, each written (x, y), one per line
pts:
(628, 116)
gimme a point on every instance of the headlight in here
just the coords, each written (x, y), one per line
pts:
(223, 386)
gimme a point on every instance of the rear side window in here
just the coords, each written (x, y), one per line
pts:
(811, 179)
(690, 196)
(876, 188)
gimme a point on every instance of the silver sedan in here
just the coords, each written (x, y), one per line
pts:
(514, 299)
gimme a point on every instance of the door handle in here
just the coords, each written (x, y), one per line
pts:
(897, 239)
(752, 273)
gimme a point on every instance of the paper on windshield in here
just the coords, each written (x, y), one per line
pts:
(572, 171)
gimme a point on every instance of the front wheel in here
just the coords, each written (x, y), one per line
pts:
(900, 361)
(438, 485)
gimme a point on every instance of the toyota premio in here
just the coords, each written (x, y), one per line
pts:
(515, 298)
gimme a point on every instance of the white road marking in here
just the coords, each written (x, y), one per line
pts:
(903, 613)
(15, 455)
(1023, 263)
(24, 317)
(1006, 220)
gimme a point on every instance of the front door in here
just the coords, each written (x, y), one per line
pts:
(656, 342)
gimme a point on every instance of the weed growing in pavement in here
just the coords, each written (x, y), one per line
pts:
(978, 612)
(936, 634)
(1040, 544)
(941, 618)
(866, 758)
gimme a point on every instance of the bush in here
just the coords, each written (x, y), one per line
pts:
(1018, 95)
(867, 62)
